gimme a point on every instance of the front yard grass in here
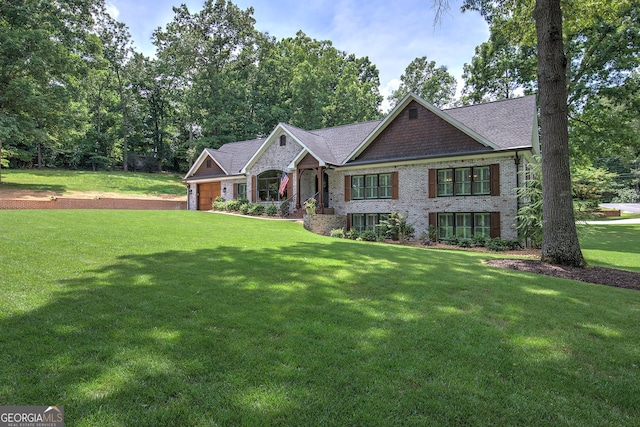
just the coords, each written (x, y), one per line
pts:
(62, 181)
(189, 318)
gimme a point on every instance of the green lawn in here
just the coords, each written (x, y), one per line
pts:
(153, 318)
(61, 181)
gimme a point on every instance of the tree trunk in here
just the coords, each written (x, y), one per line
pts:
(125, 149)
(560, 243)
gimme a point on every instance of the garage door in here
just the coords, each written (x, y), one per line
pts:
(206, 195)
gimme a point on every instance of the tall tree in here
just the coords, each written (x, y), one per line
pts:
(560, 243)
(601, 41)
(499, 70)
(43, 46)
(432, 83)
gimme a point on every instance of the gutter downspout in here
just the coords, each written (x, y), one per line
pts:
(517, 162)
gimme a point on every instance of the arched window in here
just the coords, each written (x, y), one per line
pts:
(268, 186)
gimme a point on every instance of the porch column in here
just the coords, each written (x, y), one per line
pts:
(298, 173)
(319, 178)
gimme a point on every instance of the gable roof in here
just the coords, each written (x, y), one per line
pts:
(510, 123)
(501, 125)
(231, 157)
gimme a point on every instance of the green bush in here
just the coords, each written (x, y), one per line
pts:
(337, 233)
(256, 209)
(465, 243)
(499, 245)
(453, 240)
(369, 236)
(233, 205)
(244, 208)
(272, 210)
(396, 227)
(627, 195)
(353, 234)
(480, 241)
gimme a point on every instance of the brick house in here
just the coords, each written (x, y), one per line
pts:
(455, 169)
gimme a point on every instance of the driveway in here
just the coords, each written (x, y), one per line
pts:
(627, 207)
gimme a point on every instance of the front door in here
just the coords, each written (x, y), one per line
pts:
(207, 193)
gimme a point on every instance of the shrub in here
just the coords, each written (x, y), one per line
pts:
(499, 245)
(627, 195)
(337, 233)
(220, 199)
(256, 209)
(480, 241)
(396, 227)
(233, 205)
(465, 243)
(353, 234)
(272, 210)
(369, 236)
(218, 206)
(453, 240)
(244, 208)
(530, 213)
(496, 245)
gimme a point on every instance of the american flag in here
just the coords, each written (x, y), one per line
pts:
(284, 180)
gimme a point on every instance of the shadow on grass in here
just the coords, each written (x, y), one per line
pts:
(58, 189)
(613, 238)
(332, 334)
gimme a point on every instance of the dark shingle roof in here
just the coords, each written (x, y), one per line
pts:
(508, 123)
(234, 155)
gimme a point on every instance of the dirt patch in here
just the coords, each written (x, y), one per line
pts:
(599, 275)
(13, 194)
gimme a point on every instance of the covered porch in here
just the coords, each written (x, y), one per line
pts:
(313, 182)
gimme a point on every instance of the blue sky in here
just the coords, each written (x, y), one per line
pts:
(391, 34)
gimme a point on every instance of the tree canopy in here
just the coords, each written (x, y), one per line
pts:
(75, 94)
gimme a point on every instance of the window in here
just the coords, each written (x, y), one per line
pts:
(268, 185)
(378, 186)
(445, 182)
(464, 181)
(283, 140)
(481, 180)
(482, 224)
(357, 187)
(445, 225)
(465, 225)
(208, 163)
(385, 186)
(368, 221)
(242, 191)
(371, 186)
(462, 185)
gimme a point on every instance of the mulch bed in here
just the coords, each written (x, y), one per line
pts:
(599, 275)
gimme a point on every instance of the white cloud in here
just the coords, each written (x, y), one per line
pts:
(112, 10)
(385, 91)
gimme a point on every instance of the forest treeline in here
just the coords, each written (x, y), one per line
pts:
(75, 94)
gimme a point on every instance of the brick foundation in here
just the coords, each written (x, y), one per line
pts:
(106, 203)
(323, 224)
